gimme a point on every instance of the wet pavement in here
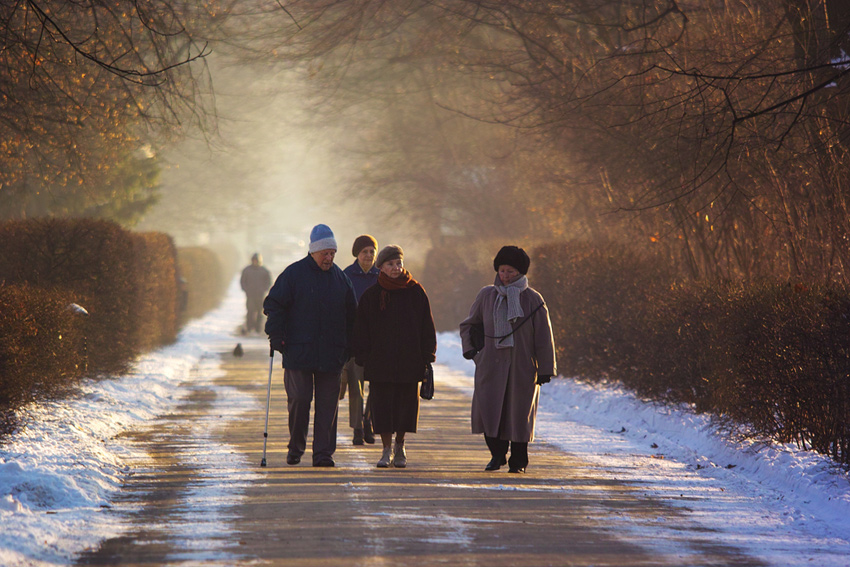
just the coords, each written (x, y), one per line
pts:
(186, 508)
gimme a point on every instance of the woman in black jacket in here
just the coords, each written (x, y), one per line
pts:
(395, 341)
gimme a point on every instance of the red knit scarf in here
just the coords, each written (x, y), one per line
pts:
(391, 284)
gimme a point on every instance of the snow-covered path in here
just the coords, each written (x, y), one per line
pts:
(60, 475)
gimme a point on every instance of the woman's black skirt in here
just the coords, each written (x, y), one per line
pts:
(395, 407)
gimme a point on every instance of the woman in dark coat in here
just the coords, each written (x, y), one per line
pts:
(518, 356)
(395, 341)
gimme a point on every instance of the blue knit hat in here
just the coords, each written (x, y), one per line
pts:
(321, 238)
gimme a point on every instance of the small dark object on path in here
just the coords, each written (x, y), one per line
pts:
(238, 352)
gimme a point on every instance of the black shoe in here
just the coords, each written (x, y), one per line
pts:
(293, 459)
(326, 462)
(358, 437)
(518, 470)
(368, 434)
(495, 464)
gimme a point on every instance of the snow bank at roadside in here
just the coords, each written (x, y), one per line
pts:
(60, 472)
(788, 507)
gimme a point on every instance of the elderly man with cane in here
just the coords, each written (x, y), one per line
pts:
(310, 310)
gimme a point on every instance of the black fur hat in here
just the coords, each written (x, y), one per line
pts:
(512, 256)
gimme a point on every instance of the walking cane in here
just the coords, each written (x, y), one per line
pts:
(268, 403)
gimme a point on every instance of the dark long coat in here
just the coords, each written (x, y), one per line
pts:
(255, 281)
(504, 402)
(395, 343)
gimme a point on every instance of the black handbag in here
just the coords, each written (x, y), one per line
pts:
(426, 389)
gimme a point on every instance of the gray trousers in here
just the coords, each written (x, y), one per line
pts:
(353, 376)
(300, 385)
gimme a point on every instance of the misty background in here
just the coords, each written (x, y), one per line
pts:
(265, 176)
(711, 135)
(679, 171)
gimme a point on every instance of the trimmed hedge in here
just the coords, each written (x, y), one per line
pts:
(453, 273)
(770, 359)
(42, 344)
(687, 346)
(793, 364)
(156, 316)
(597, 293)
(203, 283)
(127, 281)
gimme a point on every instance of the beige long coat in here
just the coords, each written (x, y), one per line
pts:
(504, 403)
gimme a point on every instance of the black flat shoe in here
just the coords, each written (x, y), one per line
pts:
(518, 470)
(293, 459)
(324, 463)
(495, 464)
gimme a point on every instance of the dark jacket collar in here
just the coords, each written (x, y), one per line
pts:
(356, 269)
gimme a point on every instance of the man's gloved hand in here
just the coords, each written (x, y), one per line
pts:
(543, 379)
(276, 343)
(470, 354)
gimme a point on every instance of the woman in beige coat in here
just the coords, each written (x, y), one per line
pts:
(518, 355)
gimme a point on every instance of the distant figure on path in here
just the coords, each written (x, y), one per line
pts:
(255, 282)
(517, 356)
(395, 342)
(311, 309)
(363, 274)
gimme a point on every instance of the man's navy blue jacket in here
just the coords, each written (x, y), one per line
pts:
(312, 311)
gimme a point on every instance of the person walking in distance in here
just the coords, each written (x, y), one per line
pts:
(363, 274)
(517, 356)
(310, 310)
(255, 281)
(395, 342)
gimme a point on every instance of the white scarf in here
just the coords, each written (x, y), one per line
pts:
(507, 309)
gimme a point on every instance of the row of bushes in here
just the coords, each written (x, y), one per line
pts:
(42, 345)
(454, 270)
(129, 285)
(771, 359)
(126, 281)
(203, 281)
